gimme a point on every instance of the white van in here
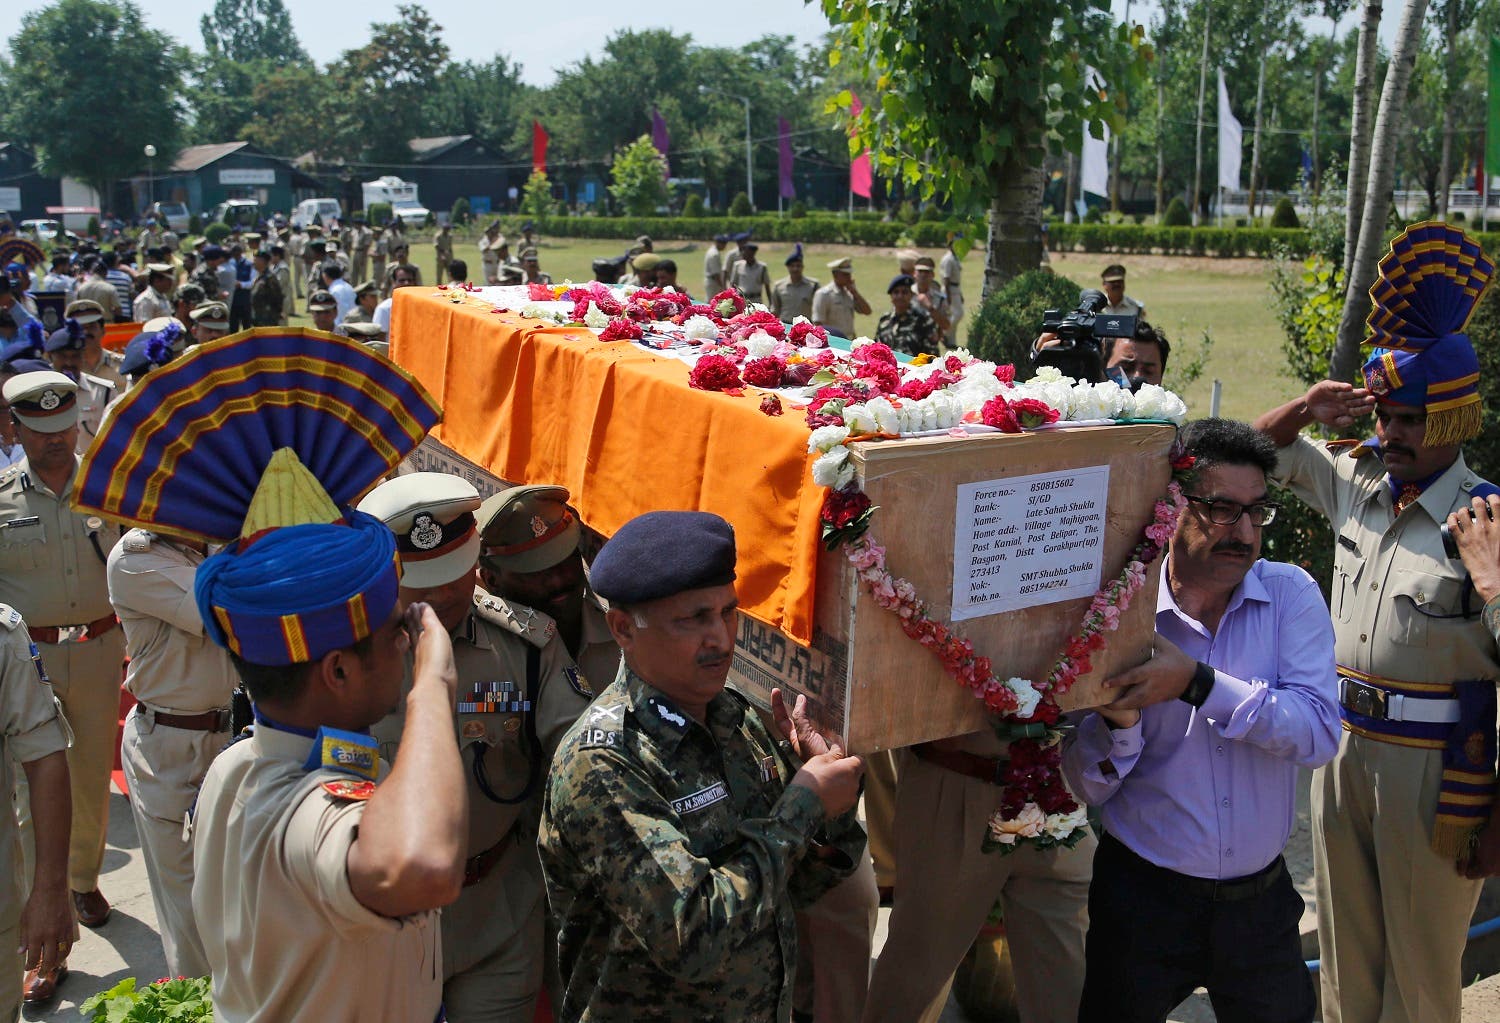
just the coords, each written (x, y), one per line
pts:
(323, 209)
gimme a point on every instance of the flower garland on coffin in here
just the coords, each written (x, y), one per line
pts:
(1036, 805)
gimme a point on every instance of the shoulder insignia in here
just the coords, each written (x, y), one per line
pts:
(350, 752)
(602, 727)
(349, 791)
(1340, 445)
(579, 683)
(138, 541)
(9, 475)
(533, 626)
(9, 617)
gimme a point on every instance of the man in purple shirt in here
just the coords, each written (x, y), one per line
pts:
(1194, 765)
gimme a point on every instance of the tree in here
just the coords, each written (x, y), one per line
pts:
(973, 92)
(482, 100)
(1453, 13)
(639, 178)
(1360, 271)
(536, 199)
(383, 85)
(86, 114)
(290, 109)
(251, 30)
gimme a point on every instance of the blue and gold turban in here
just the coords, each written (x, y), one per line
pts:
(263, 441)
(1428, 286)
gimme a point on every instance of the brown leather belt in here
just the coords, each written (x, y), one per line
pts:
(478, 866)
(971, 765)
(208, 721)
(54, 634)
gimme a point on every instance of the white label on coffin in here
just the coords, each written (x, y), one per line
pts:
(1028, 540)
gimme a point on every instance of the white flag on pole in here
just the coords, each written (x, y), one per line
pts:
(1093, 172)
(1230, 141)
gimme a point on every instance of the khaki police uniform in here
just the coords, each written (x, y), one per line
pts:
(950, 276)
(790, 300)
(833, 307)
(1392, 914)
(752, 280)
(31, 727)
(101, 385)
(150, 304)
(442, 248)
(713, 272)
(183, 683)
(285, 935)
(52, 570)
(945, 887)
(359, 238)
(493, 936)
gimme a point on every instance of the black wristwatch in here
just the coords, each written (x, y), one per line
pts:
(1201, 685)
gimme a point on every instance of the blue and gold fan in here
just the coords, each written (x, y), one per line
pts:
(1428, 286)
(15, 249)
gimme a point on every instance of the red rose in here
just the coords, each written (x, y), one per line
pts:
(621, 329)
(874, 352)
(771, 405)
(540, 292)
(715, 373)
(1183, 464)
(887, 378)
(1033, 412)
(764, 372)
(825, 358)
(917, 388)
(997, 413)
(798, 374)
(1006, 374)
(809, 335)
(841, 507)
(953, 364)
(728, 303)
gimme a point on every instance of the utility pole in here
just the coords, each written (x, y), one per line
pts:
(1202, 86)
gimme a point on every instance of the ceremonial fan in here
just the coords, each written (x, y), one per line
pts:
(15, 249)
(186, 450)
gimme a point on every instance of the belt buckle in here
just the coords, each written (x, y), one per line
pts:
(1363, 698)
(72, 633)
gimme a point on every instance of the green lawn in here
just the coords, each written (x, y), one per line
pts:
(1183, 296)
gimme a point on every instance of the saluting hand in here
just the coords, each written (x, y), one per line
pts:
(434, 647)
(1337, 403)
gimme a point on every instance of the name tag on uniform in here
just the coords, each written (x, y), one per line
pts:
(702, 799)
(25, 520)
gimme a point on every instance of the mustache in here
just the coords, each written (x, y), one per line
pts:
(1233, 547)
(708, 660)
(1400, 449)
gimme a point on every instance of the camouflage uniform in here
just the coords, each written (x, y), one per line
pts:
(266, 300)
(915, 332)
(676, 855)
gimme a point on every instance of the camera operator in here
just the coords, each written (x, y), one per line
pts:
(1141, 359)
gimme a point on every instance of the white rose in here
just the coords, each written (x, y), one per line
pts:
(859, 343)
(859, 418)
(833, 469)
(1048, 375)
(700, 328)
(535, 311)
(1155, 402)
(1060, 825)
(1026, 824)
(826, 438)
(1027, 697)
(759, 345)
(595, 318)
(886, 418)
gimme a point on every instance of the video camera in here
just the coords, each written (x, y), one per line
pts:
(1078, 353)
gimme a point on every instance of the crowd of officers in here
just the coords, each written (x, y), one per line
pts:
(764, 907)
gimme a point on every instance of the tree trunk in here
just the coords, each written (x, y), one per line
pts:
(1363, 114)
(1161, 152)
(1202, 85)
(1387, 137)
(1015, 228)
(1450, 73)
(1260, 96)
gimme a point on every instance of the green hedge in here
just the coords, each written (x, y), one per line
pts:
(1178, 241)
(815, 229)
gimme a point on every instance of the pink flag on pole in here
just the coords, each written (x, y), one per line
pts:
(860, 175)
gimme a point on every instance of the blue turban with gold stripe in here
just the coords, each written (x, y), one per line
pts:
(1428, 286)
(264, 440)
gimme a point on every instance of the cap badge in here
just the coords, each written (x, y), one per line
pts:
(1378, 382)
(49, 400)
(425, 533)
(538, 525)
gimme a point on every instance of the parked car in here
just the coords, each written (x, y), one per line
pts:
(47, 231)
(240, 212)
(411, 212)
(323, 210)
(175, 214)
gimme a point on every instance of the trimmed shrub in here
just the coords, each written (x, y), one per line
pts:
(460, 214)
(216, 232)
(798, 209)
(692, 206)
(1011, 318)
(739, 206)
(379, 213)
(1093, 215)
(195, 224)
(1179, 241)
(1177, 213)
(931, 214)
(907, 212)
(1285, 214)
(817, 228)
(92, 230)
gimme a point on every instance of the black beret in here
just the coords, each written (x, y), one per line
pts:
(900, 279)
(663, 553)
